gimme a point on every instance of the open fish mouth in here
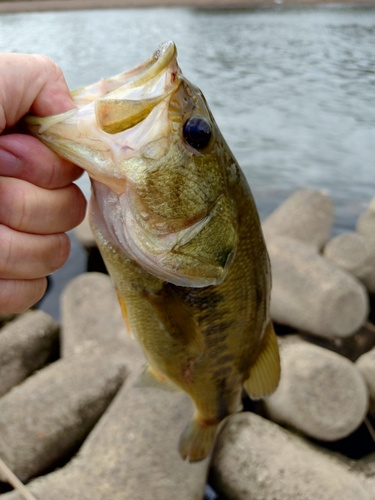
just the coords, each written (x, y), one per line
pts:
(129, 98)
(160, 198)
(112, 121)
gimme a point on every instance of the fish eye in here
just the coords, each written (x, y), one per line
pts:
(197, 132)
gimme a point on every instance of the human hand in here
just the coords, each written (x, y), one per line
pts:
(39, 203)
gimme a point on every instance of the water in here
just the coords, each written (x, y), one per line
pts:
(292, 89)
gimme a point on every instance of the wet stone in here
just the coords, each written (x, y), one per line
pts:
(255, 459)
(321, 393)
(26, 344)
(50, 413)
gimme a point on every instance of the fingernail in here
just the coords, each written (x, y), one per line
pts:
(9, 164)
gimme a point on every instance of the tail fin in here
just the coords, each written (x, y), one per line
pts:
(197, 439)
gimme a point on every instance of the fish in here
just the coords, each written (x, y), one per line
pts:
(178, 229)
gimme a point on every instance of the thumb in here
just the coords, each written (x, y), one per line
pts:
(31, 82)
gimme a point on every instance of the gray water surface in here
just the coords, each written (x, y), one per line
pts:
(293, 90)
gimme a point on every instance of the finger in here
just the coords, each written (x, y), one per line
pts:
(27, 158)
(31, 82)
(28, 256)
(31, 209)
(16, 296)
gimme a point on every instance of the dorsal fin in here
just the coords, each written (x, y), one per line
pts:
(264, 375)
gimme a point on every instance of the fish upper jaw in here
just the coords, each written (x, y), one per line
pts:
(157, 252)
(115, 119)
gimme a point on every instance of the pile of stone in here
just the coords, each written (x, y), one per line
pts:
(81, 402)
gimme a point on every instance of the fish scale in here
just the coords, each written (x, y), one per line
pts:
(178, 229)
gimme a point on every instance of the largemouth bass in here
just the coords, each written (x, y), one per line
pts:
(179, 232)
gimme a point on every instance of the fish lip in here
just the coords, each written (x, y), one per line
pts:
(144, 72)
(145, 87)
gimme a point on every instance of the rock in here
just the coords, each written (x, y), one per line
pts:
(354, 253)
(311, 294)
(26, 344)
(321, 393)
(91, 315)
(366, 222)
(132, 452)
(5, 318)
(306, 216)
(365, 468)
(50, 414)
(255, 459)
(366, 365)
(351, 347)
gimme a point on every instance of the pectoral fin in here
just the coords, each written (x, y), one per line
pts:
(265, 373)
(176, 318)
(152, 378)
(124, 313)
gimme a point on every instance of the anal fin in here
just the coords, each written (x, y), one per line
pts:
(264, 375)
(152, 378)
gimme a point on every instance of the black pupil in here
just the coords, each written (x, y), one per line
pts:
(197, 132)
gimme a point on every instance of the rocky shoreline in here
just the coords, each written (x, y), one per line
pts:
(74, 427)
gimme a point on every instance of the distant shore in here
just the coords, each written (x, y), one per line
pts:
(48, 5)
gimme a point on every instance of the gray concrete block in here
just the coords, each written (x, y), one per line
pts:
(91, 315)
(366, 222)
(132, 451)
(311, 294)
(50, 414)
(5, 318)
(307, 215)
(321, 393)
(354, 253)
(26, 343)
(366, 365)
(257, 460)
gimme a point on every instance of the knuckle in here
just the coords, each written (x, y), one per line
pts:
(79, 205)
(17, 296)
(6, 251)
(51, 68)
(14, 211)
(61, 253)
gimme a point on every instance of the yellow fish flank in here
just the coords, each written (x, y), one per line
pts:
(176, 224)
